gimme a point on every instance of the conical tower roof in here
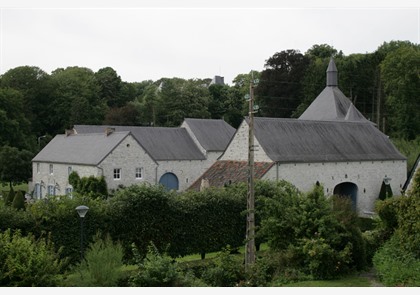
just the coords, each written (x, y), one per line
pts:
(331, 104)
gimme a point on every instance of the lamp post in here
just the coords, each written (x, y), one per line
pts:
(81, 210)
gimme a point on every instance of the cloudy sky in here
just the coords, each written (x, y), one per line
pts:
(148, 40)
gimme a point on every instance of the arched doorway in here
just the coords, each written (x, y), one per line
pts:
(169, 181)
(347, 189)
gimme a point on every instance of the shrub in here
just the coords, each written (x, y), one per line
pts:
(101, 266)
(395, 266)
(27, 262)
(160, 270)
(19, 201)
(227, 271)
(321, 235)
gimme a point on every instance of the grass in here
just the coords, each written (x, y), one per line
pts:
(350, 281)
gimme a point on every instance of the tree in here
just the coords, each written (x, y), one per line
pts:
(183, 99)
(127, 115)
(14, 126)
(19, 201)
(110, 86)
(400, 75)
(76, 99)
(279, 91)
(35, 86)
(15, 165)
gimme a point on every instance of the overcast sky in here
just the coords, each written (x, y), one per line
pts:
(149, 40)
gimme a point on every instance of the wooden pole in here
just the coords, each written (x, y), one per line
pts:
(250, 220)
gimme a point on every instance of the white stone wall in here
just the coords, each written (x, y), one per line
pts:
(367, 175)
(238, 148)
(128, 156)
(59, 177)
(187, 171)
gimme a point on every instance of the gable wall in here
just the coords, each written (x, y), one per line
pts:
(187, 171)
(367, 175)
(237, 149)
(128, 156)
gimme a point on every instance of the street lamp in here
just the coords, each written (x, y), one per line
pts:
(81, 210)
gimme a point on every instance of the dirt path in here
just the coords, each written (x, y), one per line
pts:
(371, 276)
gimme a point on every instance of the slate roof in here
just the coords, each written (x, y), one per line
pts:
(331, 103)
(161, 143)
(295, 140)
(213, 135)
(230, 172)
(87, 149)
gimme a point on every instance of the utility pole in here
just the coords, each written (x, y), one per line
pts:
(250, 218)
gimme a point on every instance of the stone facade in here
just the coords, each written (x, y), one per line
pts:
(127, 156)
(238, 147)
(366, 175)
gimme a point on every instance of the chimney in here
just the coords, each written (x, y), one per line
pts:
(109, 131)
(69, 132)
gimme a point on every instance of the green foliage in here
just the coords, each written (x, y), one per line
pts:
(409, 148)
(27, 262)
(101, 266)
(57, 215)
(399, 71)
(321, 234)
(398, 261)
(147, 210)
(10, 197)
(395, 266)
(279, 91)
(92, 187)
(226, 270)
(19, 201)
(15, 165)
(212, 219)
(160, 270)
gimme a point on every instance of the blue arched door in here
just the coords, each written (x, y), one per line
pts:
(169, 181)
(347, 189)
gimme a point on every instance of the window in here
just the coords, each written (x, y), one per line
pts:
(51, 169)
(139, 173)
(69, 170)
(51, 190)
(37, 167)
(37, 190)
(117, 173)
(69, 191)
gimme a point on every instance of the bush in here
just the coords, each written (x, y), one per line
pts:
(19, 201)
(101, 266)
(321, 235)
(227, 270)
(395, 266)
(27, 262)
(160, 270)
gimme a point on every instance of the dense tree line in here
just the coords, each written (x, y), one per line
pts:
(35, 106)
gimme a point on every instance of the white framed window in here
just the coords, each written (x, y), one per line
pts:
(117, 173)
(51, 190)
(69, 170)
(51, 169)
(37, 190)
(37, 168)
(139, 173)
(69, 191)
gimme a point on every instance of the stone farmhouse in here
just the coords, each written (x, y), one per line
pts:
(126, 155)
(331, 144)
